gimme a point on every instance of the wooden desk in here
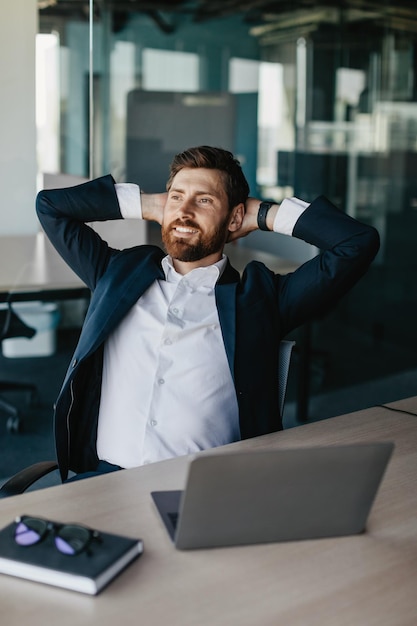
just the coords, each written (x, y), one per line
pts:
(365, 580)
(31, 269)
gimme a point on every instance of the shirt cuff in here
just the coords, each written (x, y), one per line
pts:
(287, 215)
(128, 195)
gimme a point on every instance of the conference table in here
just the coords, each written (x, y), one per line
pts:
(31, 269)
(367, 579)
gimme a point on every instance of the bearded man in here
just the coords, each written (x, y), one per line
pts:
(179, 352)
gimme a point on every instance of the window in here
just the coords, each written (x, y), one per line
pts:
(167, 70)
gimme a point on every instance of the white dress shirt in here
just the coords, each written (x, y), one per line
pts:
(167, 389)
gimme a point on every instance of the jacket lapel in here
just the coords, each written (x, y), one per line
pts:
(226, 306)
(111, 303)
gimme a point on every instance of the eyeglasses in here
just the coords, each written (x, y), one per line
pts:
(70, 539)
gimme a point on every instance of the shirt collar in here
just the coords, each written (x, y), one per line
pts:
(201, 276)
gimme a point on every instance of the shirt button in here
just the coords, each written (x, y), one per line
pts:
(161, 381)
(168, 342)
(175, 310)
(153, 422)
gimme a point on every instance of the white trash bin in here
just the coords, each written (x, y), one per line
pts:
(44, 318)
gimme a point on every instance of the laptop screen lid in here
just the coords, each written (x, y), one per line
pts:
(266, 496)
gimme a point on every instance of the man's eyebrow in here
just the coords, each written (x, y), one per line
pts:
(198, 193)
(176, 189)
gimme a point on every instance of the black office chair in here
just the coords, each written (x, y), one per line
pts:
(11, 325)
(26, 477)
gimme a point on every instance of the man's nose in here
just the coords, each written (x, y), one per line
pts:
(186, 207)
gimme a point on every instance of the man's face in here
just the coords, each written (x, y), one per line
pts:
(196, 218)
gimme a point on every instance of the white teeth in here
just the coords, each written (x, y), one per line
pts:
(182, 229)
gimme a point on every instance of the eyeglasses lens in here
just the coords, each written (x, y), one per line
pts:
(30, 531)
(72, 540)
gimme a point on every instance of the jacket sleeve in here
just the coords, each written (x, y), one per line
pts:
(347, 248)
(64, 215)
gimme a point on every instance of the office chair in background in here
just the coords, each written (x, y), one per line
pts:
(28, 476)
(11, 325)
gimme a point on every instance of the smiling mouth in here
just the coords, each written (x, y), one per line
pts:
(185, 230)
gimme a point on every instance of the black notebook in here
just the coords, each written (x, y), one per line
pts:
(88, 572)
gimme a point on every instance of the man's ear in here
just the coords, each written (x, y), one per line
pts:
(237, 216)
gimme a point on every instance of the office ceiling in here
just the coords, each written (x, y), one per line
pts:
(266, 17)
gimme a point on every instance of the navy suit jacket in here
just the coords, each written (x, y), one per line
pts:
(256, 310)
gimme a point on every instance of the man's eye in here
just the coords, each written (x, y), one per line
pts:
(205, 200)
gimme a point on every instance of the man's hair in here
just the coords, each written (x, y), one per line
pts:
(236, 185)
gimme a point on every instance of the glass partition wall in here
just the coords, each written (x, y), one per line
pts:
(311, 101)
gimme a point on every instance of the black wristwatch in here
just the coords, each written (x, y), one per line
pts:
(262, 213)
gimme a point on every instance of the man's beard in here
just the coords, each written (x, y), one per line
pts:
(206, 244)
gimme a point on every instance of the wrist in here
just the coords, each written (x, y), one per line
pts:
(266, 215)
(152, 206)
(147, 204)
(270, 218)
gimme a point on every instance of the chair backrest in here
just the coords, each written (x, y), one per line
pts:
(284, 358)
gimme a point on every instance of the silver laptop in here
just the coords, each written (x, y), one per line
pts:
(274, 495)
